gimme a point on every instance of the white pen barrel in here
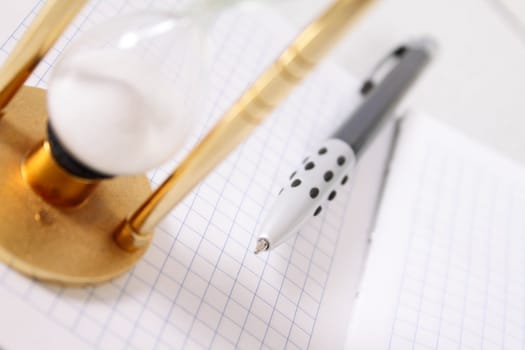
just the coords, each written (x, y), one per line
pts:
(317, 180)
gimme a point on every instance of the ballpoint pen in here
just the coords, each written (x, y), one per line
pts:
(319, 175)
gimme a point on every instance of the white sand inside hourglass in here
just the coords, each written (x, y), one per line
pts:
(115, 115)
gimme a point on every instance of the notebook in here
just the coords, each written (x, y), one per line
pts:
(446, 268)
(424, 250)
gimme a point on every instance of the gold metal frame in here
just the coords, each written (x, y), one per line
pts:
(55, 185)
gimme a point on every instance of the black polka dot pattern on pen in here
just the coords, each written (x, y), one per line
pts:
(309, 166)
(328, 175)
(331, 196)
(318, 210)
(281, 191)
(341, 160)
(305, 160)
(293, 174)
(345, 179)
(322, 151)
(314, 192)
(296, 182)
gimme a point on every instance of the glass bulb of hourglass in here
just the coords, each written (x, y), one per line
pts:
(124, 97)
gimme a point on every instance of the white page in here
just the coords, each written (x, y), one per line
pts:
(447, 264)
(18, 10)
(199, 284)
(353, 242)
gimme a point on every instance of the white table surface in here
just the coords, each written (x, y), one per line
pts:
(477, 82)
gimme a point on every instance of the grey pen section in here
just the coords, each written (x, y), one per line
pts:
(383, 96)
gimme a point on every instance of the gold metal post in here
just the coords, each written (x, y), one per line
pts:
(242, 118)
(54, 184)
(50, 23)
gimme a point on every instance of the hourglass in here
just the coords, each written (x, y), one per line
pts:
(76, 206)
(121, 100)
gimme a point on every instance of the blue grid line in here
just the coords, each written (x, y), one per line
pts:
(310, 262)
(266, 332)
(419, 185)
(280, 287)
(159, 273)
(237, 158)
(239, 282)
(276, 173)
(523, 297)
(319, 283)
(10, 289)
(22, 24)
(427, 258)
(268, 196)
(257, 167)
(490, 235)
(509, 212)
(301, 295)
(113, 308)
(467, 280)
(184, 279)
(452, 231)
(347, 204)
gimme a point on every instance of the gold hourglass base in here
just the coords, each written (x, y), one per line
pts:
(70, 246)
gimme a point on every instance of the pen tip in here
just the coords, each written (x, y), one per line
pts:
(262, 245)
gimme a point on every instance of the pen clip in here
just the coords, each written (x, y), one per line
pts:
(382, 68)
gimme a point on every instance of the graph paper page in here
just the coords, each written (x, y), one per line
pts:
(200, 285)
(447, 264)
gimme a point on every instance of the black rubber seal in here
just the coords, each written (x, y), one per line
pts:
(70, 163)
